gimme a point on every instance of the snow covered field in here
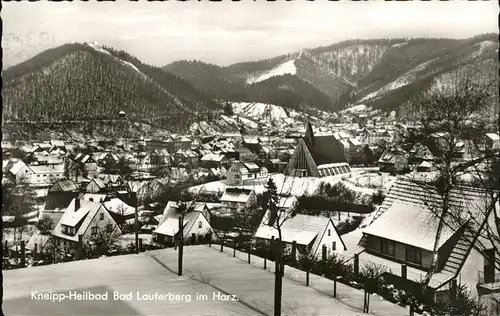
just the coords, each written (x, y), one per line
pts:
(288, 185)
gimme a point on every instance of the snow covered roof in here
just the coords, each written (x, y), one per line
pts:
(71, 218)
(16, 167)
(169, 227)
(493, 136)
(66, 185)
(289, 235)
(169, 221)
(43, 169)
(425, 164)
(417, 226)
(119, 207)
(237, 195)
(302, 228)
(85, 214)
(212, 157)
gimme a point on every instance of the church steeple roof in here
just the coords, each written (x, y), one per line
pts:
(309, 137)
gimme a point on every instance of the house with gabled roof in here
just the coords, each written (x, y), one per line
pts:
(81, 221)
(236, 199)
(107, 160)
(241, 172)
(96, 186)
(394, 160)
(317, 156)
(65, 185)
(309, 232)
(195, 223)
(20, 172)
(404, 229)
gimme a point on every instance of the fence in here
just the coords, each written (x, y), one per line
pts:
(352, 273)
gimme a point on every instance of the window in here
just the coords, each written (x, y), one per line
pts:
(413, 255)
(200, 224)
(101, 216)
(329, 233)
(93, 231)
(334, 246)
(387, 247)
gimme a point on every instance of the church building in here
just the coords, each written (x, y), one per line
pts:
(317, 156)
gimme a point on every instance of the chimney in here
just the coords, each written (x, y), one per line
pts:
(77, 204)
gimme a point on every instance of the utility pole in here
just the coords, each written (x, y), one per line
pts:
(181, 244)
(136, 224)
(277, 278)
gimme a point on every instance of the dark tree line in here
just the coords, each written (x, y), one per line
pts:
(75, 82)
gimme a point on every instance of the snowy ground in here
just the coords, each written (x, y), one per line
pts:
(294, 185)
(373, 181)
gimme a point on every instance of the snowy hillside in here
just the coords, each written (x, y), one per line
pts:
(258, 111)
(287, 68)
(401, 81)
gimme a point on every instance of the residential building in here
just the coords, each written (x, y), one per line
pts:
(81, 222)
(492, 140)
(36, 175)
(310, 233)
(317, 156)
(235, 199)
(393, 160)
(241, 172)
(213, 160)
(404, 231)
(195, 224)
(107, 160)
(64, 186)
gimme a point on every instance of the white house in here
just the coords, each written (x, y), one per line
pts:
(38, 175)
(195, 223)
(239, 172)
(82, 221)
(236, 199)
(309, 232)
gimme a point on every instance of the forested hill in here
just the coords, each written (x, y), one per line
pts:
(383, 73)
(89, 82)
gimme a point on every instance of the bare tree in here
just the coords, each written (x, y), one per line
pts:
(450, 115)
(370, 276)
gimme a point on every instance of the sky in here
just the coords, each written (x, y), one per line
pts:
(223, 33)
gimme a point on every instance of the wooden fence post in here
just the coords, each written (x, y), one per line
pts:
(356, 266)
(265, 263)
(180, 234)
(23, 253)
(307, 275)
(140, 244)
(294, 251)
(193, 239)
(222, 243)
(35, 254)
(248, 251)
(234, 250)
(210, 239)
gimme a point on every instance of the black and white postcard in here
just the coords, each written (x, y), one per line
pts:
(277, 158)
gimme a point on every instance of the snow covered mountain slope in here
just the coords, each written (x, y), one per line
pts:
(286, 68)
